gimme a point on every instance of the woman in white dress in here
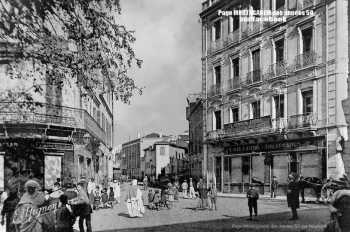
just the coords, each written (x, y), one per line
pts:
(134, 200)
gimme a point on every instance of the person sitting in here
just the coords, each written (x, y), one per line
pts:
(340, 210)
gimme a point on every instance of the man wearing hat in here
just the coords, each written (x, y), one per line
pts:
(253, 196)
(293, 195)
(274, 186)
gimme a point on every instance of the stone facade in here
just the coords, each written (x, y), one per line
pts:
(273, 90)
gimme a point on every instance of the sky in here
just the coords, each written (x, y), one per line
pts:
(168, 40)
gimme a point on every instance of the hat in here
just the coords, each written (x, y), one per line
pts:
(32, 183)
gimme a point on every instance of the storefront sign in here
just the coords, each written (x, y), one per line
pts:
(275, 146)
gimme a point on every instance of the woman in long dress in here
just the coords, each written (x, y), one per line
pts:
(134, 200)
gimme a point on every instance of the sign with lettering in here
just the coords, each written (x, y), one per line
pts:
(274, 146)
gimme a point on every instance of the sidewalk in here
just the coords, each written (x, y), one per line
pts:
(265, 197)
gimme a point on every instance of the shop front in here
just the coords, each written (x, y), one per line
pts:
(240, 165)
(23, 159)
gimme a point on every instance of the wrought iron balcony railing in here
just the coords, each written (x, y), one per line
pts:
(302, 121)
(232, 84)
(253, 77)
(275, 70)
(266, 124)
(214, 90)
(216, 45)
(305, 60)
(53, 115)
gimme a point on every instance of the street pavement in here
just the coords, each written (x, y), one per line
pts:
(230, 216)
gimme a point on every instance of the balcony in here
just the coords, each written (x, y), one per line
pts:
(232, 84)
(248, 126)
(305, 60)
(265, 125)
(253, 77)
(60, 116)
(305, 4)
(302, 121)
(254, 28)
(214, 90)
(276, 70)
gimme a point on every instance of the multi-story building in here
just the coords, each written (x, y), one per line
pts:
(168, 158)
(133, 153)
(273, 91)
(194, 116)
(63, 135)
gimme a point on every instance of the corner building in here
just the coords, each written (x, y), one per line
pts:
(273, 92)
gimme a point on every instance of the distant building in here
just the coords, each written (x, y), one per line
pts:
(133, 155)
(167, 158)
(194, 116)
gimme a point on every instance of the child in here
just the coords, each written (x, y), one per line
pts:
(253, 197)
(111, 197)
(212, 196)
(8, 210)
(97, 198)
(156, 199)
(64, 216)
(104, 198)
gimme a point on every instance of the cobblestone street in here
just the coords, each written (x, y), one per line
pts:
(231, 216)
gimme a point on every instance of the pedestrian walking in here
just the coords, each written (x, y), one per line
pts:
(184, 187)
(293, 196)
(90, 190)
(134, 200)
(8, 210)
(64, 216)
(212, 193)
(83, 208)
(111, 196)
(145, 183)
(192, 192)
(274, 187)
(253, 196)
(203, 195)
(117, 191)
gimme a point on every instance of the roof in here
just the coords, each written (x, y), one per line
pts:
(164, 142)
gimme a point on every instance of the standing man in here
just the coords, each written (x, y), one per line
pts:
(253, 196)
(274, 187)
(145, 183)
(293, 196)
(90, 190)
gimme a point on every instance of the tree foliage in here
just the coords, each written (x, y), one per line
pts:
(69, 41)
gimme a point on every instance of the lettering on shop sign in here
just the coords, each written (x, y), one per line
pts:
(266, 147)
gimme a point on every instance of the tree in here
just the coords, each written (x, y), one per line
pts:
(65, 42)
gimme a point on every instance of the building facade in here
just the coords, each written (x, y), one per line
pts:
(62, 135)
(273, 91)
(133, 163)
(194, 116)
(166, 158)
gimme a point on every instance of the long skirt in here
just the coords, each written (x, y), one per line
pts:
(134, 207)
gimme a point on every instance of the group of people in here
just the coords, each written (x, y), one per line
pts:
(206, 194)
(103, 197)
(39, 212)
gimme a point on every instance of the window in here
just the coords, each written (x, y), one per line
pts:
(256, 59)
(98, 117)
(256, 4)
(256, 109)
(234, 114)
(307, 40)
(245, 165)
(233, 23)
(235, 68)
(279, 105)
(292, 4)
(279, 4)
(162, 151)
(279, 46)
(217, 30)
(103, 121)
(94, 115)
(217, 73)
(217, 120)
(307, 102)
